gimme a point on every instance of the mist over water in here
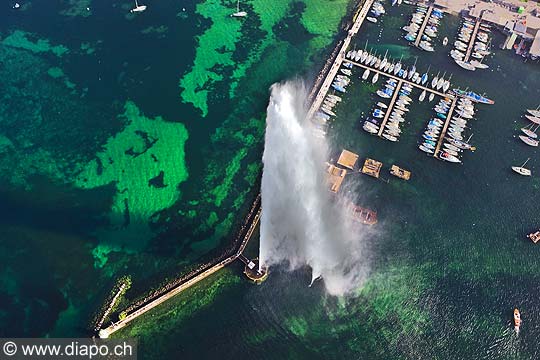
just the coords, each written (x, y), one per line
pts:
(302, 222)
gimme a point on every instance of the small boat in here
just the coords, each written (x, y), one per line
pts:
(422, 96)
(465, 65)
(474, 97)
(141, 8)
(527, 140)
(390, 137)
(452, 147)
(383, 94)
(371, 19)
(445, 41)
(239, 13)
(517, 320)
(365, 75)
(448, 157)
(521, 170)
(400, 173)
(425, 149)
(434, 81)
(534, 112)
(535, 237)
(424, 78)
(363, 215)
(530, 133)
(382, 105)
(534, 119)
(346, 72)
(375, 78)
(431, 97)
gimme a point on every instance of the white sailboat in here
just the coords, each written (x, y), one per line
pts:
(138, 8)
(521, 170)
(239, 13)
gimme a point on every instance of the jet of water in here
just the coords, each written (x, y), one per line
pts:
(302, 222)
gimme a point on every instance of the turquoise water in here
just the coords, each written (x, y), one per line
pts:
(130, 143)
(451, 260)
(131, 152)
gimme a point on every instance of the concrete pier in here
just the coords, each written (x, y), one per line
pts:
(361, 16)
(250, 224)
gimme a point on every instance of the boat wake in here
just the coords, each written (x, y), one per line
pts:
(302, 223)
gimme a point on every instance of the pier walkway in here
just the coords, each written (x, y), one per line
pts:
(445, 127)
(473, 39)
(236, 251)
(316, 104)
(397, 78)
(423, 27)
(390, 107)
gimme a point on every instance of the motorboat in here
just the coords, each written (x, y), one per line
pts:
(375, 78)
(422, 96)
(383, 94)
(382, 105)
(425, 149)
(390, 137)
(448, 157)
(517, 320)
(371, 19)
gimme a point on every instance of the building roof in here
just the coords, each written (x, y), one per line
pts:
(347, 159)
(535, 47)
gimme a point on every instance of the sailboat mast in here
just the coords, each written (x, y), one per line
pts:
(525, 162)
(238, 6)
(136, 4)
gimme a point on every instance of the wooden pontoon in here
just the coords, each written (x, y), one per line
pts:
(400, 173)
(347, 159)
(535, 237)
(372, 168)
(334, 177)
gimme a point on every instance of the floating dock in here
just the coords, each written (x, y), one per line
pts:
(472, 41)
(423, 27)
(390, 107)
(405, 81)
(445, 127)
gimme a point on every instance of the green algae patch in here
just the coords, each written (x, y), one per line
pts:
(222, 190)
(20, 40)
(55, 72)
(321, 18)
(144, 149)
(215, 49)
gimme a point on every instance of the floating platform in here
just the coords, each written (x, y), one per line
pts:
(372, 168)
(334, 177)
(347, 159)
(400, 173)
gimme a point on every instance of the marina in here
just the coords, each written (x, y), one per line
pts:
(423, 27)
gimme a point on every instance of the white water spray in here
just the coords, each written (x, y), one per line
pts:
(302, 223)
